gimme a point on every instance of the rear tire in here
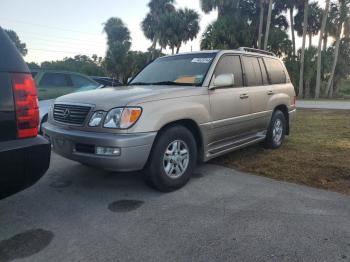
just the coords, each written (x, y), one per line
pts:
(172, 160)
(276, 131)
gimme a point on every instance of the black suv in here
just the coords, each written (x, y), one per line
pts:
(24, 156)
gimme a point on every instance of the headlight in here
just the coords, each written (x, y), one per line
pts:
(96, 118)
(122, 118)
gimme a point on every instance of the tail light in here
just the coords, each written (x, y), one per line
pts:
(26, 105)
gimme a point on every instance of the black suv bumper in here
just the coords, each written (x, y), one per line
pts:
(22, 163)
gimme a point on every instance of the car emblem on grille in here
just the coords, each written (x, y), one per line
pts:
(66, 113)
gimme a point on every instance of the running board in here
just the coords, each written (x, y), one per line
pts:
(234, 146)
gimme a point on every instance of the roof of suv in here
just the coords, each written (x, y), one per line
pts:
(241, 50)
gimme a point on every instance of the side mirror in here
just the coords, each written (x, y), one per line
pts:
(224, 80)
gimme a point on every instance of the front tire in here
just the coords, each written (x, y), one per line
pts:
(276, 131)
(172, 160)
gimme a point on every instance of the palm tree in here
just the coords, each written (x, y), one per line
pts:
(151, 25)
(189, 21)
(301, 75)
(223, 6)
(288, 6)
(119, 42)
(261, 22)
(313, 21)
(268, 23)
(342, 26)
(319, 50)
(331, 25)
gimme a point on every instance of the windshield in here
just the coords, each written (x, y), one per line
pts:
(189, 69)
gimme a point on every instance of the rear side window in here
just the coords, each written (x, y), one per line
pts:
(252, 71)
(275, 70)
(55, 80)
(230, 64)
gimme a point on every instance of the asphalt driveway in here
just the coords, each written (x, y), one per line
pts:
(80, 214)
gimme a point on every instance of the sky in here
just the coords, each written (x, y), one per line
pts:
(53, 30)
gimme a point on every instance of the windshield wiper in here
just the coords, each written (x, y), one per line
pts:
(173, 83)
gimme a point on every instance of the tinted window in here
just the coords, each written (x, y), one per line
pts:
(230, 65)
(263, 72)
(176, 70)
(55, 80)
(79, 82)
(275, 71)
(252, 71)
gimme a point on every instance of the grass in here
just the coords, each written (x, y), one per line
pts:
(345, 87)
(317, 153)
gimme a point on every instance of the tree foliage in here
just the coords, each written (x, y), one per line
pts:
(169, 27)
(22, 47)
(119, 43)
(80, 63)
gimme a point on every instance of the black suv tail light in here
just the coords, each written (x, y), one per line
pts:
(26, 104)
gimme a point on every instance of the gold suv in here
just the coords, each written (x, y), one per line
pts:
(177, 111)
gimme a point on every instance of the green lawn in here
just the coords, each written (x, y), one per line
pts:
(345, 88)
(317, 153)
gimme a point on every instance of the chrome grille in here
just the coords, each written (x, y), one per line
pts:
(70, 114)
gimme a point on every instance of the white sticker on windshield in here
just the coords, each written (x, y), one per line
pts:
(202, 60)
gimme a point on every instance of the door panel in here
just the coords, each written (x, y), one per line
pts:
(259, 90)
(230, 106)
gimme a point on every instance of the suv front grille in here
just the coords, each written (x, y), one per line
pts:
(70, 114)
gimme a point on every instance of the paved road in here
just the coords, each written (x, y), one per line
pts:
(345, 105)
(79, 214)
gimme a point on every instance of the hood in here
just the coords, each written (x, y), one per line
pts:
(110, 97)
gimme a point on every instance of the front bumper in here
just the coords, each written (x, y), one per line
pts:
(134, 148)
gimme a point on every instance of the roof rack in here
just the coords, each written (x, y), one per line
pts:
(254, 50)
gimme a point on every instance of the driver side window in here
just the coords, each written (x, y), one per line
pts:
(230, 64)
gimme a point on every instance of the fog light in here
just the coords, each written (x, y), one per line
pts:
(107, 151)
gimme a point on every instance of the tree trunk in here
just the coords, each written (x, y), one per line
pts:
(331, 90)
(307, 89)
(178, 49)
(325, 41)
(172, 50)
(335, 61)
(310, 40)
(301, 75)
(292, 28)
(268, 23)
(261, 22)
(319, 51)
(153, 48)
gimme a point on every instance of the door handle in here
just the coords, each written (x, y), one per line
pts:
(243, 96)
(269, 93)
